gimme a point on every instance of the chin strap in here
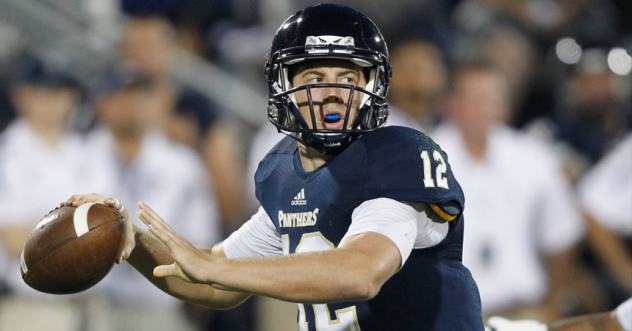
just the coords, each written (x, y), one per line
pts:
(328, 145)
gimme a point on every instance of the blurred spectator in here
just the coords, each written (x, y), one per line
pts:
(594, 107)
(191, 18)
(513, 52)
(191, 118)
(523, 224)
(605, 193)
(543, 18)
(530, 29)
(187, 116)
(42, 162)
(142, 164)
(419, 80)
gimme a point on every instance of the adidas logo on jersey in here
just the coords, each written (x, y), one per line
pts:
(299, 199)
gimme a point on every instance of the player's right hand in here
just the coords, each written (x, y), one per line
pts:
(128, 239)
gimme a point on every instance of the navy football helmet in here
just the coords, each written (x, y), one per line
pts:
(328, 31)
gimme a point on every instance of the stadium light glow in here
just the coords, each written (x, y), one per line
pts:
(568, 51)
(619, 61)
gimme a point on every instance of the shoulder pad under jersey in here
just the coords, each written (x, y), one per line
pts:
(406, 165)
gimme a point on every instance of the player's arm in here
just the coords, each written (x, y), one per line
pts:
(150, 252)
(355, 270)
(611, 250)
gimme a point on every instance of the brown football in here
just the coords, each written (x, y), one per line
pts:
(72, 248)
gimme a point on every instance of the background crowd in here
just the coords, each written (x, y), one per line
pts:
(165, 101)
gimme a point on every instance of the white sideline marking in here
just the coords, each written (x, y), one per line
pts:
(80, 219)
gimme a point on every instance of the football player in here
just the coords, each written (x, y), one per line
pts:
(619, 319)
(361, 225)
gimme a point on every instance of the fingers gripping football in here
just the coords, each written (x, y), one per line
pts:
(79, 199)
(128, 239)
(190, 262)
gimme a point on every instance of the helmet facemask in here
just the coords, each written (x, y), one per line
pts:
(365, 107)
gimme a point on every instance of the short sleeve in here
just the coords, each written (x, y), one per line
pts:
(388, 217)
(256, 238)
(624, 314)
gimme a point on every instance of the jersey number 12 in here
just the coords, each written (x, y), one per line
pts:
(344, 319)
(440, 170)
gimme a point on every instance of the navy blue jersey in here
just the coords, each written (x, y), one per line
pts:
(312, 211)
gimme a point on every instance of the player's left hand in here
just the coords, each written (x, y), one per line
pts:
(191, 263)
(496, 323)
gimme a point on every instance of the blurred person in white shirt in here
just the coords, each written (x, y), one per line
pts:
(145, 165)
(524, 224)
(42, 160)
(605, 194)
(149, 44)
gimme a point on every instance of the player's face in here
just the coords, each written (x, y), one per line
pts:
(330, 103)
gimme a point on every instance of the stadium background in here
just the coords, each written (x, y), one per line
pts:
(221, 45)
